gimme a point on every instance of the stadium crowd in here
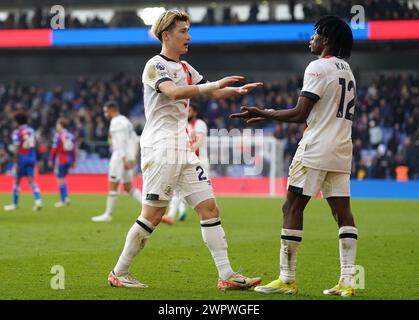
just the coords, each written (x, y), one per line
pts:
(312, 10)
(385, 127)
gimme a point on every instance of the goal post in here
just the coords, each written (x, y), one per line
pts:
(248, 155)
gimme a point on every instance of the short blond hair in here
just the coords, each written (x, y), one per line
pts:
(167, 20)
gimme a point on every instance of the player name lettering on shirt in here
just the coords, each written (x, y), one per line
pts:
(342, 66)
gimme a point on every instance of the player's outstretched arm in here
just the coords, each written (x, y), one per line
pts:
(174, 92)
(298, 114)
(233, 91)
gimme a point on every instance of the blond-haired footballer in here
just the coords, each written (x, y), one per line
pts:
(169, 83)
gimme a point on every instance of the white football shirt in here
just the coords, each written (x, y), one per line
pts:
(327, 141)
(166, 119)
(124, 139)
(199, 127)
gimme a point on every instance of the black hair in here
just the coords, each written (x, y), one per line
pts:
(21, 118)
(338, 34)
(193, 106)
(112, 105)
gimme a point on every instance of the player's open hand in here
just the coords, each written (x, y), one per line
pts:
(248, 87)
(250, 114)
(228, 81)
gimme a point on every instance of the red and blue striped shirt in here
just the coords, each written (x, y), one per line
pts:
(24, 139)
(63, 147)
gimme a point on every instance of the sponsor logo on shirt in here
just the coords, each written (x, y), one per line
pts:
(160, 66)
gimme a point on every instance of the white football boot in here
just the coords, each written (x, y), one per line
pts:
(125, 281)
(102, 218)
(10, 207)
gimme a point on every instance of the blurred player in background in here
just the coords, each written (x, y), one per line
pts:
(125, 147)
(197, 133)
(62, 157)
(24, 160)
(323, 158)
(166, 158)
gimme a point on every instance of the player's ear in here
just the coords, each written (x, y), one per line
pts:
(165, 35)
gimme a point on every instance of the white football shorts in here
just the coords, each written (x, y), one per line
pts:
(166, 170)
(309, 181)
(117, 172)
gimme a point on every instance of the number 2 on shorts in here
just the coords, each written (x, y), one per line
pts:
(201, 176)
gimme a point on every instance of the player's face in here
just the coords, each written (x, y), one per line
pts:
(178, 39)
(106, 113)
(316, 44)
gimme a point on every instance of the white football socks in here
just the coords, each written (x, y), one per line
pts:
(135, 241)
(174, 204)
(182, 206)
(110, 202)
(214, 237)
(290, 241)
(136, 194)
(347, 250)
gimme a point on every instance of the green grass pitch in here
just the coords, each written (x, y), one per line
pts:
(177, 265)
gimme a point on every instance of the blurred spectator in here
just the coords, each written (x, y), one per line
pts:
(291, 8)
(124, 18)
(235, 19)
(402, 173)
(376, 134)
(37, 19)
(253, 13)
(209, 17)
(412, 156)
(5, 160)
(23, 21)
(226, 15)
(10, 22)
